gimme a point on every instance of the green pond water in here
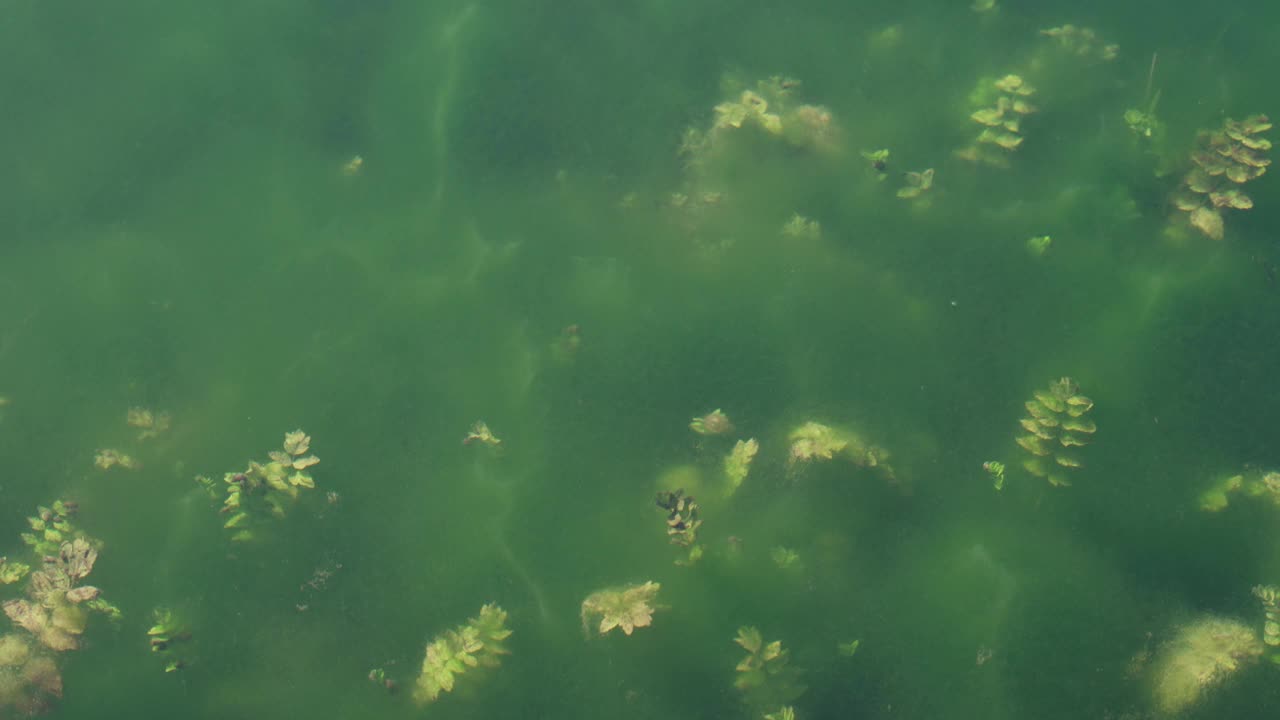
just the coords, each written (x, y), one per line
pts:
(382, 221)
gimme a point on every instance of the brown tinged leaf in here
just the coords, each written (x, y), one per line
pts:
(296, 442)
(1207, 221)
(627, 607)
(29, 617)
(81, 594)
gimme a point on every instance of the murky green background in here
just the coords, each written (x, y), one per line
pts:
(178, 233)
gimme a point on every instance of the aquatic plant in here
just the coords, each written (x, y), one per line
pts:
(848, 649)
(51, 526)
(1039, 245)
(713, 423)
(784, 713)
(264, 489)
(1001, 104)
(1201, 656)
(801, 227)
(151, 423)
(29, 679)
(995, 469)
(1269, 595)
(107, 458)
(480, 433)
(815, 441)
(918, 183)
(627, 607)
(12, 572)
(765, 676)
(784, 557)
(737, 464)
(1216, 498)
(56, 606)
(166, 637)
(479, 643)
(767, 105)
(683, 518)
(1254, 484)
(750, 108)
(877, 160)
(1056, 424)
(1081, 42)
(1223, 160)
(683, 513)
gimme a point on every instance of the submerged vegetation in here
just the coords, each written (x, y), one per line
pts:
(869, 232)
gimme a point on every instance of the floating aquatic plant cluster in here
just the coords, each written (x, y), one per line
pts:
(53, 614)
(626, 608)
(1056, 426)
(1002, 104)
(1224, 160)
(54, 604)
(267, 489)
(454, 654)
(766, 678)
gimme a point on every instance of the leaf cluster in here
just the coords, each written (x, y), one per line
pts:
(478, 643)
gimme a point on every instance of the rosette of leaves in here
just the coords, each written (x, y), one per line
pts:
(737, 464)
(1269, 595)
(626, 607)
(765, 676)
(1223, 160)
(479, 643)
(56, 607)
(1056, 426)
(1002, 103)
(267, 488)
(50, 527)
(683, 518)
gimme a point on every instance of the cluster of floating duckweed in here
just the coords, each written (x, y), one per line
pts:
(1002, 104)
(1056, 423)
(54, 612)
(477, 644)
(268, 488)
(1224, 160)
